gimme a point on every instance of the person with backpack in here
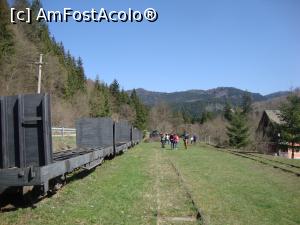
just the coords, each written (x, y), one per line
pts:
(195, 139)
(172, 141)
(167, 139)
(163, 140)
(186, 139)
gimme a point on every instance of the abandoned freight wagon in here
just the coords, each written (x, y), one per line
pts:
(26, 156)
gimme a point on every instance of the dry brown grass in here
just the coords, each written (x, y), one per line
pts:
(61, 144)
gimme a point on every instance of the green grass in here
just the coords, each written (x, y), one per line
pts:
(118, 192)
(234, 190)
(141, 187)
(60, 143)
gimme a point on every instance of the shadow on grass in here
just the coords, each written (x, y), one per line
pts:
(13, 198)
(78, 175)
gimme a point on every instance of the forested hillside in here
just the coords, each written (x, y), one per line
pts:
(195, 103)
(73, 96)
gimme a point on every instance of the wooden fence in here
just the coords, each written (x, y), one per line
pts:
(63, 132)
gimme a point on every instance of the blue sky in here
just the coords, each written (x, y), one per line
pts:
(195, 44)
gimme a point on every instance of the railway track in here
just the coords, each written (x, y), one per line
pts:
(283, 163)
(285, 167)
(199, 213)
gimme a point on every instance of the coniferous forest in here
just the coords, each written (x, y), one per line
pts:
(73, 95)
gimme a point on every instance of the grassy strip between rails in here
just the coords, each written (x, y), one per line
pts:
(199, 213)
(174, 204)
(235, 190)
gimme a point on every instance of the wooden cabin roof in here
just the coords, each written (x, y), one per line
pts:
(274, 116)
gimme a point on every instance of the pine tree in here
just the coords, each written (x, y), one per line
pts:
(133, 97)
(80, 75)
(76, 80)
(106, 107)
(227, 112)
(206, 116)
(37, 31)
(141, 117)
(99, 102)
(36, 28)
(6, 36)
(246, 103)
(141, 111)
(186, 116)
(237, 130)
(124, 98)
(95, 100)
(115, 88)
(290, 115)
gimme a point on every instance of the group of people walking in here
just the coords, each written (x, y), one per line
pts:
(173, 140)
(167, 139)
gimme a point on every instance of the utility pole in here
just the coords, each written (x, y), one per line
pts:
(40, 64)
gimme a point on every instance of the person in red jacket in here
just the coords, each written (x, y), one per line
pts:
(176, 141)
